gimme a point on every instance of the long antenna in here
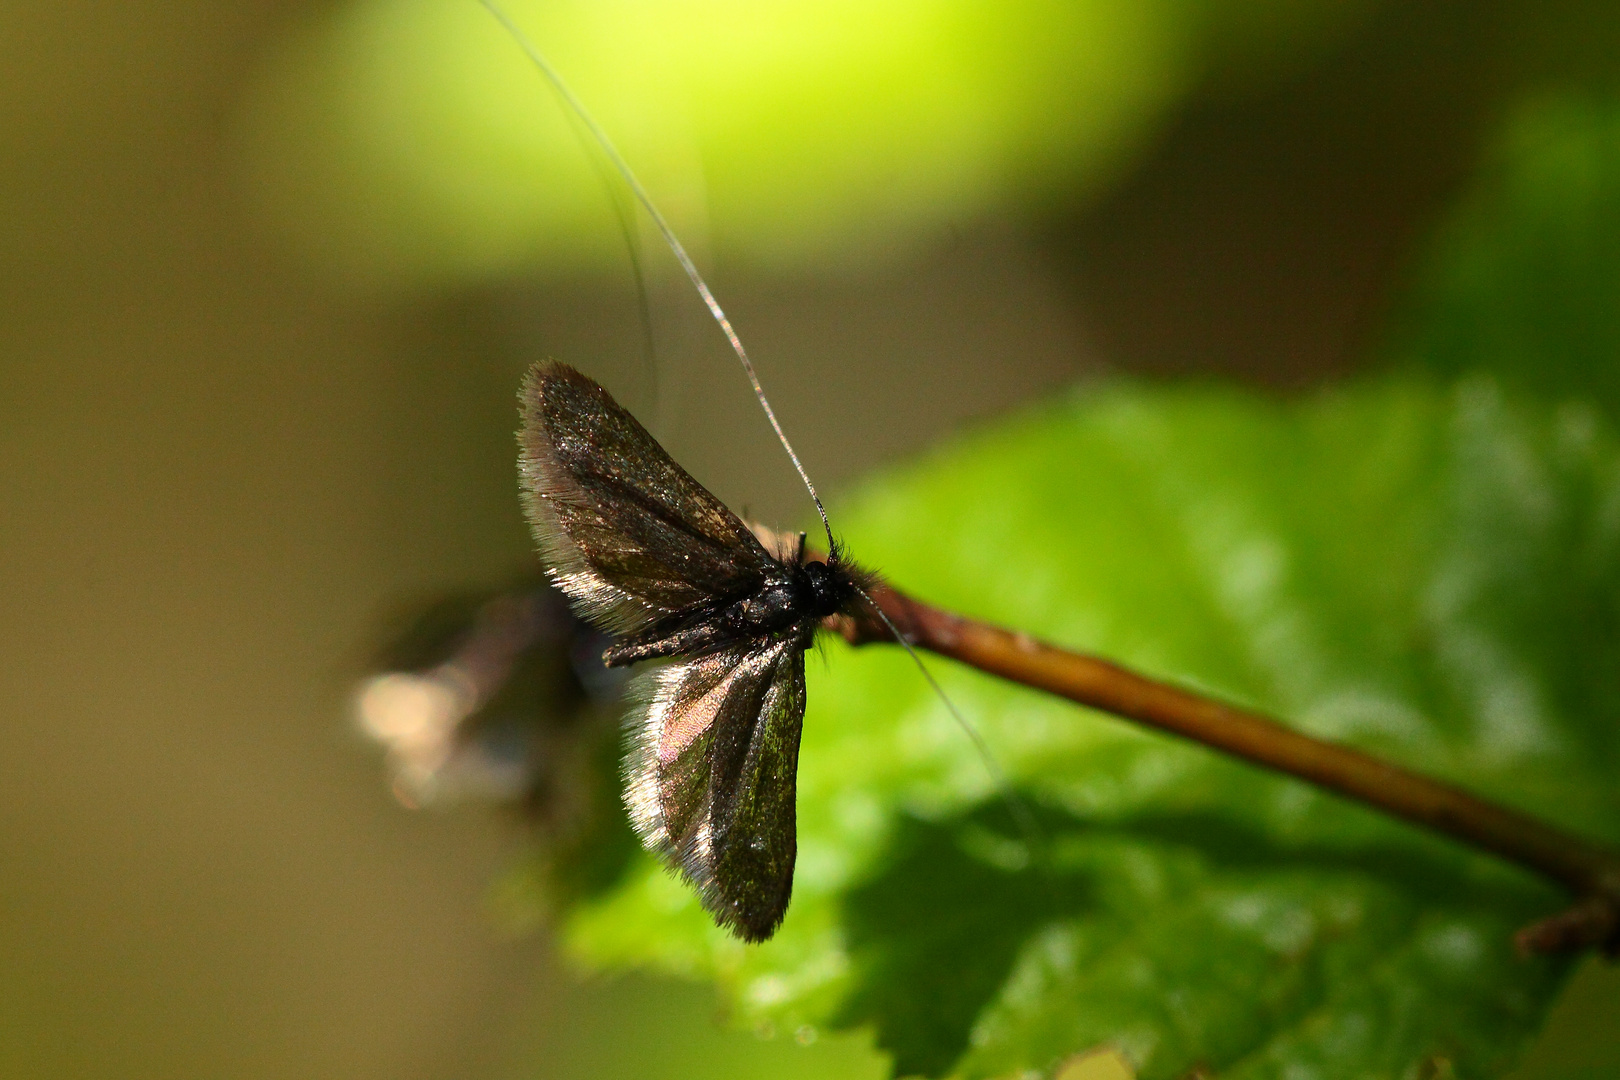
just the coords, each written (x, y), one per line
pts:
(578, 107)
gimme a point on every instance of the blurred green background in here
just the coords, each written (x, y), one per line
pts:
(271, 273)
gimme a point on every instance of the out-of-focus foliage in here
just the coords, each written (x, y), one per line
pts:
(1431, 571)
(1524, 277)
(401, 141)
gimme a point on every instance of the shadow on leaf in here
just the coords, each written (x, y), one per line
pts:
(936, 935)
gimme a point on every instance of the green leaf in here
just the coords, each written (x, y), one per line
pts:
(1431, 572)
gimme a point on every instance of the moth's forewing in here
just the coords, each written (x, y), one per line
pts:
(625, 531)
(711, 777)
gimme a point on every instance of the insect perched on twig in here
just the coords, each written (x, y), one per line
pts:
(645, 552)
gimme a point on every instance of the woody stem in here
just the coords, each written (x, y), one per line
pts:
(1590, 872)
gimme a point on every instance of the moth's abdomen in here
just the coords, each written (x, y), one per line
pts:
(776, 606)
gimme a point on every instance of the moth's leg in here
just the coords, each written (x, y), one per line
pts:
(648, 645)
(652, 645)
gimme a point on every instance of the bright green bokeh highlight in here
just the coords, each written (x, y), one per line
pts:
(404, 141)
(409, 142)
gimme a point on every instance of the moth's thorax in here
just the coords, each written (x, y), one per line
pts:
(824, 589)
(802, 592)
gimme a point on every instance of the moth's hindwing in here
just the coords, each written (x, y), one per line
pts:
(711, 776)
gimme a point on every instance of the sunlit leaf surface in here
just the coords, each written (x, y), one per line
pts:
(1427, 570)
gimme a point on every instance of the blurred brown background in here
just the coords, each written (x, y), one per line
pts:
(217, 472)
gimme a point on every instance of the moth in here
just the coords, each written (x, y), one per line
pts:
(646, 553)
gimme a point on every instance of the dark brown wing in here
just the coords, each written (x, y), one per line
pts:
(710, 777)
(625, 532)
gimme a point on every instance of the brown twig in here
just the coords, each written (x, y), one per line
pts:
(1591, 873)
